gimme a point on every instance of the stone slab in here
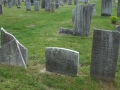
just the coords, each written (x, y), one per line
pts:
(61, 60)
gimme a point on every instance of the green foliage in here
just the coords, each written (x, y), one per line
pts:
(114, 19)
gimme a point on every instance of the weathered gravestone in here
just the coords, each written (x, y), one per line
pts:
(118, 10)
(57, 3)
(105, 50)
(1, 10)
(43, 4)
(28, 6)
(47, 5)
(106, 8)
(94, 9)
(82, 21)
(11, 51)
(52, 6)
(65, 31)
(36, 5)
(10, 3)
(69, 2)
(61, 60)
(117, 28)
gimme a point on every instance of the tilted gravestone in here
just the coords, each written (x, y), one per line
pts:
(118, 10)
(61, 60)
(52, 6)
(28, 6)
(43, 4)
(36, 5)
(47, 5)
(11, 51)
(106, 8)
(1, 10)
(82, 21)
(104, 57)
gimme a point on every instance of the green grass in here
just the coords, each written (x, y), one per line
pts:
(38, 30)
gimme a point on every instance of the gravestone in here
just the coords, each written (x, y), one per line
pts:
(43, 4)
(118, 10)
(69, 2)
(36, 5)
(61, 60)
(28, 6)
(106, 8)
(10, 3)
(11, 51)
(61, 2)
(32, 2)
(1, 10)
(82, 21)
(94, 9)
(65, 31)
(117, 28)
(75, 2)
(52, 6)
(57, 4)
(104, 57)
(83, 1)
(47, 5)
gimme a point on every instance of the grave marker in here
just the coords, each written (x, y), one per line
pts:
(106, 8)
(61, 60)
(105, 50)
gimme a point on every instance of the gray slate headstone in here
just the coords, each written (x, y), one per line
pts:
(61, 60)
(106, 8)
(105, 50)
(118, 10)
(52, 6)
(47, 5)
(28, 6)
(94, 9)
(12, 52)
(36, 5)
(1, 10)
(10, 4)
(82, 21)
(43, 4)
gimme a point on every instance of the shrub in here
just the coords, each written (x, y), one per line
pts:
(114, 19)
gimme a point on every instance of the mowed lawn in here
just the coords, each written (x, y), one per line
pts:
(37, 30)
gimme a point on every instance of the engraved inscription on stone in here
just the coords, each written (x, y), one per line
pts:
(61, 60)
(11, 51)
(105, 50)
